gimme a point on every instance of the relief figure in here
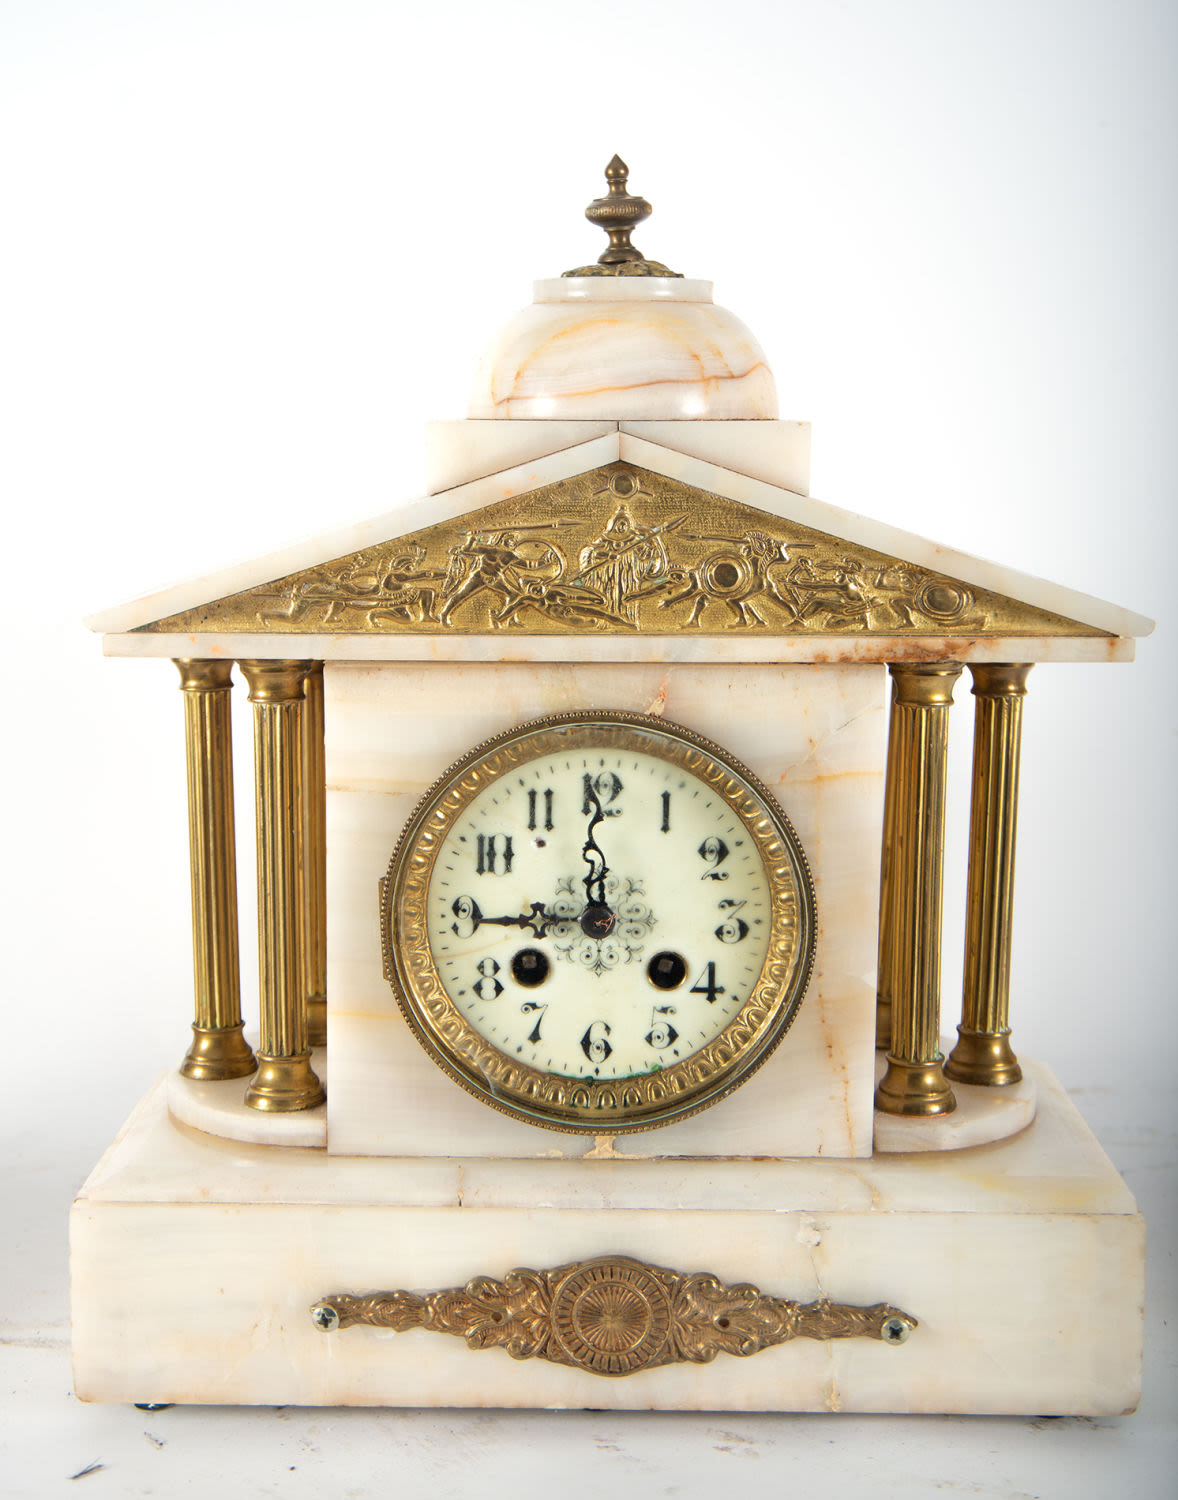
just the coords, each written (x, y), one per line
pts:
(623, 560)
(519, 572)
(408, 591)
(735, 576)
(832, 589)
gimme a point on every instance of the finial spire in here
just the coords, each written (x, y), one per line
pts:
(619, 213)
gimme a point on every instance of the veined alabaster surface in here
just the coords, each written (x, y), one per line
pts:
(814, 736)
(776, 453)
(195, 1266)
(650, 348)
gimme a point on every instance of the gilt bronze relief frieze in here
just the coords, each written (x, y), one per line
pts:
(626, 551)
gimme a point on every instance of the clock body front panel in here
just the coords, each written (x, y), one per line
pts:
(815, 736)
(668, 952)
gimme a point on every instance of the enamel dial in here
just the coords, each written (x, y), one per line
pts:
(598, 922)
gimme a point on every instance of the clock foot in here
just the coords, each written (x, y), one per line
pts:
(983, 1057)
(218, 1052)
(285, 1084)
(914, 1088)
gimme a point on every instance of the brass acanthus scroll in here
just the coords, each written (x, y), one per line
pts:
(614, 1316)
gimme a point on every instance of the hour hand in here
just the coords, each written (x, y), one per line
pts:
(468, 918)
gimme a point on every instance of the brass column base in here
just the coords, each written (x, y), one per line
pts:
(983, 1057)
(909, 1088)
(218, 1052)
(317, 1021)
(285, 1084)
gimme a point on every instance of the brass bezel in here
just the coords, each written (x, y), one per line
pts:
(608, 1106)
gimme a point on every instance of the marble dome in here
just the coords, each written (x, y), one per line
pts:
(612, 347)
(624, 338)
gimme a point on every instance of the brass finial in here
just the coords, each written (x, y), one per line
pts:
(619, 213)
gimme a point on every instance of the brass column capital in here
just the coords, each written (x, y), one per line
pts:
(275, 681)
(999, 679)
(201, 676)
(925, 684)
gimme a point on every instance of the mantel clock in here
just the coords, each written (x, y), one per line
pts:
(600, 829)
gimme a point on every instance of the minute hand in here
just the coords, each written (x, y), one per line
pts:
(596, 876)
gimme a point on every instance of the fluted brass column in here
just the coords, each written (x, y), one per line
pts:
(887, 928)
(315, 834)
(983, 1053)
(285, 1079)
(914, 1083)
(218, 1049)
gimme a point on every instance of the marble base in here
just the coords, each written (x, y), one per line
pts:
(194, 1268)
(982, 1115)
(220, 1109)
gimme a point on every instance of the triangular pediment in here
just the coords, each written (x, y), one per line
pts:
(622, 548)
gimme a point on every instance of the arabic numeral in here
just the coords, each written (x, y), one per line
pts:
(595, 1043)
(527, 1009)
(662, 1033)
(713, 852)
(467, 916)
(706, 985)
(487, 986)
(604, 789)
(732, 929)
(493, 854)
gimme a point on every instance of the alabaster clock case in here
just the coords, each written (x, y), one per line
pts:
(599, 1057)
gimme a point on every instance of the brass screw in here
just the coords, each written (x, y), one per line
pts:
(895, 1330)
(324, 1316)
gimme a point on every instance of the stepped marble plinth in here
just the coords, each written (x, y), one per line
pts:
(196, 1265)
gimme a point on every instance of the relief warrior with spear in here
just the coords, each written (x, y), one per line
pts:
(522, 572)
(626, 558)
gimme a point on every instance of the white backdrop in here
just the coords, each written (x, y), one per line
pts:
(252, 247)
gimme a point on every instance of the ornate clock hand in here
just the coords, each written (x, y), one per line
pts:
(469, 918)
(590, 848)
(597, 920)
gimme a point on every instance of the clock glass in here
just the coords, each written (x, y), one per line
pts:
(598, 922)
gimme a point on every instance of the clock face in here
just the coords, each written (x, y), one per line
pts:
(598, 922)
